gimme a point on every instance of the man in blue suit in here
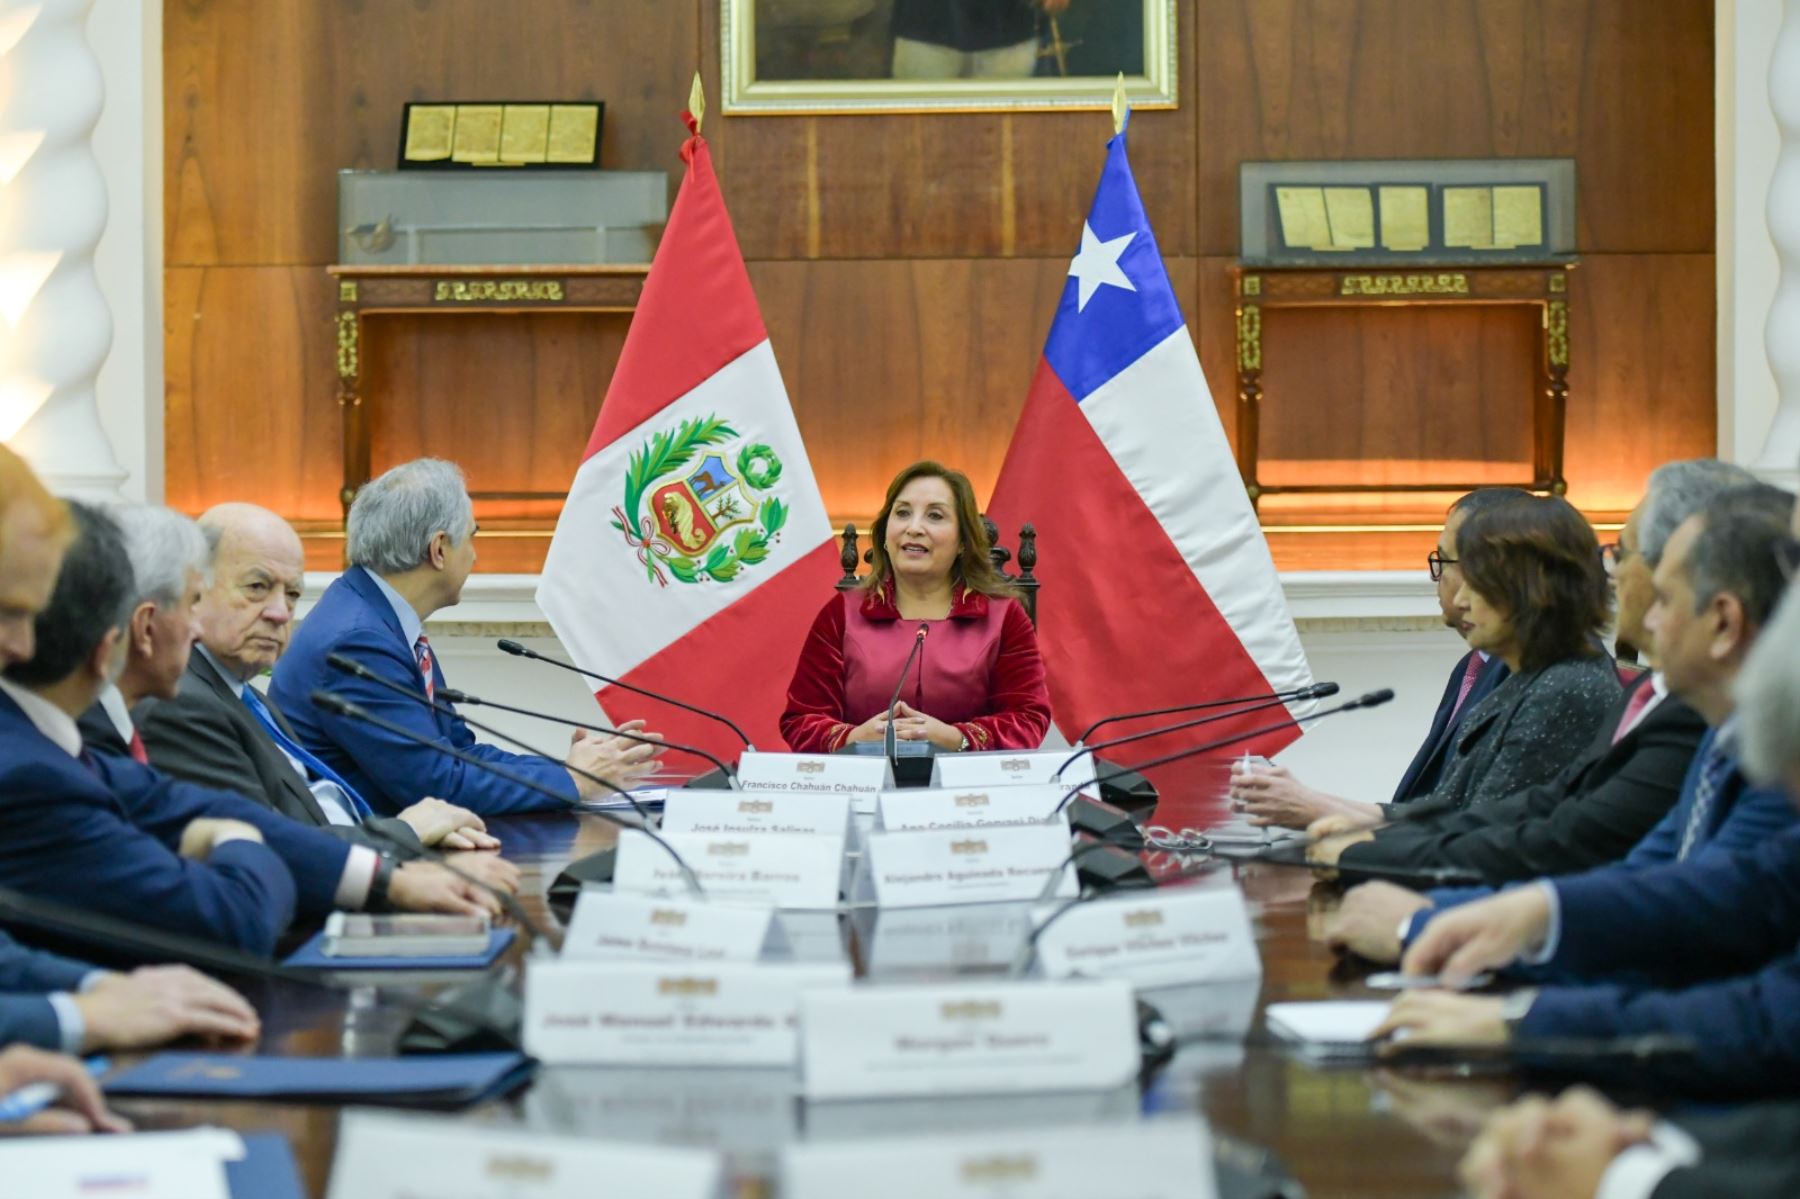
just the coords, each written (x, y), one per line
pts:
(411, 544)
(1702, 947)
(118, 837)
(1274, 796)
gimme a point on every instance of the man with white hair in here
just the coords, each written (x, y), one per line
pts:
(411, 545)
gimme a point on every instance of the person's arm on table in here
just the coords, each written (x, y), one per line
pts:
(813, 720)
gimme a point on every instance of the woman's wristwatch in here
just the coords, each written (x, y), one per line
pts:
(964, 747)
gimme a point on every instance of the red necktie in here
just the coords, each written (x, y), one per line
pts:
(1470, 674)
(423, 649)
(1633, 708)
(137, 749)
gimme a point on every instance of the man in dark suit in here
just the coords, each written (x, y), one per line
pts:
(217, 731)
(1272, 795)
(411, 543)
(112, 835)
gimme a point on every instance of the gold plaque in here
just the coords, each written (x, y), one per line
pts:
(1351, 214)
(1518, 216)
(524, 132)
(1469, 218)
(1303, 219)
(477, 133)
(573, 131)
(1405, 218)
(430, 129)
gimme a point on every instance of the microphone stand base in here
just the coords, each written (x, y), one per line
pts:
(1104, 822)
(1111, 868)
(713, 780)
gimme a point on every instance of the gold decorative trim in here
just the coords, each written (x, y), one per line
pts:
(1253, 285)
(479, 291)
(1559, 281)
(1556, 332)
(348, 332)
(1404, 285)
(1249, 338)
(346, 291)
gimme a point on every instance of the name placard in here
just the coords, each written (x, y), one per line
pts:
(997, 768)
(155, 1165)
(764, 868)
(386, 1156)
(1167, 1158)
(742, 1109)
(608, 925)
(1175, 935)
(936, 942)
(642, 1013)
(992, 865)
(969, 807)
(739, 813)
(827, 774)
(999, 1038)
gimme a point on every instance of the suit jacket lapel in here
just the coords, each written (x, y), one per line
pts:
(292, 796)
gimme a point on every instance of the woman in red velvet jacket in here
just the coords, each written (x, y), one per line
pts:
(978, 682)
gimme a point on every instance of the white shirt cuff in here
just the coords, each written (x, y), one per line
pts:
(1552, 929)
(68, 1021)
(1639, 1170)
(358, 876)
(92, 979)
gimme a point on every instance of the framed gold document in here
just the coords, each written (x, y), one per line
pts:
(535, 134)
(858, 56)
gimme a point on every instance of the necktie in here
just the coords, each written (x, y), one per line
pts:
(138, 753)
(1633, 709)
(1713, 769)
(422, 651)
(1471, 672)
(294, 750)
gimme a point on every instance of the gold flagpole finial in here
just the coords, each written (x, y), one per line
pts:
(1119, 106)
(697, 102)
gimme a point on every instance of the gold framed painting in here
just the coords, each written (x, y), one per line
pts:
(801, 57)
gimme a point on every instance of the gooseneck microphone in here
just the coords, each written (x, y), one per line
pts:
(1256, 704)
(1370, 700)
(452, 696)
(521, 651)
(887, 736)
(343, 707)
(1297, 694)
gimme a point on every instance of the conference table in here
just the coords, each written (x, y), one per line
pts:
(1340, 1131)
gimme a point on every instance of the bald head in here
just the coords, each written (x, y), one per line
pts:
(259, 566)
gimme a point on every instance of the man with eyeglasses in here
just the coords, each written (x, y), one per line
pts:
(1272, 795)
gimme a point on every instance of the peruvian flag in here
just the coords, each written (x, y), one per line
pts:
(1158, 585)
(694, 548)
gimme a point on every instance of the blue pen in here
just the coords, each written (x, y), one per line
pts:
(33, 1098)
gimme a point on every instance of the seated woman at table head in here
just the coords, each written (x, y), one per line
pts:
(978, 681)
(1535, 595)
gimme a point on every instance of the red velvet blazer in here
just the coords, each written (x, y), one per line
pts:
(979, 670)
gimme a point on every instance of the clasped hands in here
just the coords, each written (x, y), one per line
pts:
(910, 724)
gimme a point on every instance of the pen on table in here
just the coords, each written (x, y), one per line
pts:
(33, 1098)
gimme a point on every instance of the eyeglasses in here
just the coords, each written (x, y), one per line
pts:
(1787, 556)
(1187, 840)
(1436, 562)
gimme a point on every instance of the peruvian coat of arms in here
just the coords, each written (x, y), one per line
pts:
(699, 502)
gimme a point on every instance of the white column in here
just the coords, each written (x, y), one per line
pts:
(1781, 450)
(55, 329)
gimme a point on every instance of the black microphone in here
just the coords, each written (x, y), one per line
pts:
(521, 651)
(352, 667)
(887, 735)
(1254, 706)
(1297, 694)
(1370, 700)
(452, 696)
(343, 707)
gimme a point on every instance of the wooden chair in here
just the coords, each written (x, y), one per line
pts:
(1025, 581)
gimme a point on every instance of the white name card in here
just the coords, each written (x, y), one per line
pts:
(1175, 935)
(997, 768)
(1159, 1159)
(999, 1038)
(145, 1165)
(939, 942)
(739, 813)
(608, 925)
(641, 1013)
(764, 868)
(745, 1109)
(991, 865)
(969, 807)
(830, 774)
(385, 1156)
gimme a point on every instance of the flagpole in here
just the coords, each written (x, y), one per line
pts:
(1120, 108)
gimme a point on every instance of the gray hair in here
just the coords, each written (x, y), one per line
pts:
(164, 546)
(395, 517)
(1768, 698)
(1675, 492)
(1735, 552)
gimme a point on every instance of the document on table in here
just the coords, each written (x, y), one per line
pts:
(1327, 1028)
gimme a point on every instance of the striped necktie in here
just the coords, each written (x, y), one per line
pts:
(294, 750)
(1471, 672)
(422, 651)
(1713, 769)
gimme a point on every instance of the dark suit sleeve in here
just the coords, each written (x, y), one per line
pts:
(400, 837)
(196, 743)
(1746, 1153)
(23, 969)
(29, 1020)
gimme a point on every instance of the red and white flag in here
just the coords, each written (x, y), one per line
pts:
(1158, 585)
(694, 549)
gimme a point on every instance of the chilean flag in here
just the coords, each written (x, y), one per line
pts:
(1158, 588)
(694, 549)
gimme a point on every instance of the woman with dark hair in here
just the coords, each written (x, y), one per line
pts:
(978, 681)
(1535, 595)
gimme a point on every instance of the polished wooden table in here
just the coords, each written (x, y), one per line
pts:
(1340, 1132)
